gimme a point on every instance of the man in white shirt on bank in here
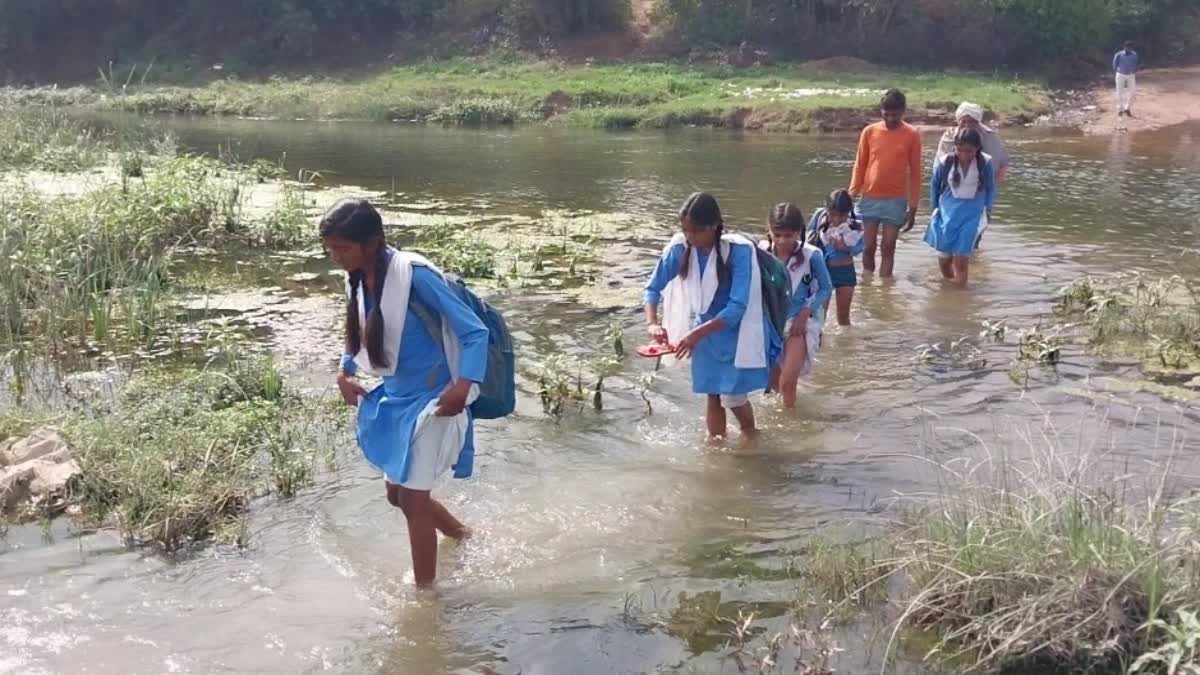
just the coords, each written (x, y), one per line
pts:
(1125, 65)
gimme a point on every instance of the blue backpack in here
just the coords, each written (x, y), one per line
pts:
(498, 391)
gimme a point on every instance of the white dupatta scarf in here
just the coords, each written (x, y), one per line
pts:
(397, 287)
(685, 300)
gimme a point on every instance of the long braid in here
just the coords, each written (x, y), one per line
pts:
(375, 319)
(353, 329)
(722, 266)
(686, 262)
(799, 251)
(979, 168)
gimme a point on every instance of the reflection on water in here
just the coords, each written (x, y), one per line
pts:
(582, 519)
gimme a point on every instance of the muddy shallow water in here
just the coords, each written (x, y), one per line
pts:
(591, 526)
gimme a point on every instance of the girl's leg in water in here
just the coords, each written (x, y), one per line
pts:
(714, 417)
(845, 295)
(946, 264)
(445, 523)
(961, 263)
(795, 353)
(745, 417)
(422, 534)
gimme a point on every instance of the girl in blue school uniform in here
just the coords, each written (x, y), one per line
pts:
(710, 288)
(839, 234)
(811, 290)
(962, 193)
(415, 426)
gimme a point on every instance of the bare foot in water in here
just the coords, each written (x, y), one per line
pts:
(461, 535)
(748, 440)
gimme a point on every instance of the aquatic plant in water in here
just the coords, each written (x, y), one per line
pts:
(96, 268)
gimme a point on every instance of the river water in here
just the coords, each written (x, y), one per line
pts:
(590, 527)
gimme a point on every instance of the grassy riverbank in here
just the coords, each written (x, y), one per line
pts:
(813, 96)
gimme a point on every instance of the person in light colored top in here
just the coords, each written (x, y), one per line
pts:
(962, 193)
(811, 288)
(415, 426)
(1125, 67)
(710, 288)
(970, 116)
(839, 234)
(887, 180)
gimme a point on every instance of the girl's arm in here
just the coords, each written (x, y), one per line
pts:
(664, 272)
(935, 196)
(989, 170)
(431, 290)
(824, 282)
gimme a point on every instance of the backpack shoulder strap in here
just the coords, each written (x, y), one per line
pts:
(426, 315)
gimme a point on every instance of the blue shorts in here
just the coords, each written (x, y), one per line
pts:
(843, 276)
(893, 212)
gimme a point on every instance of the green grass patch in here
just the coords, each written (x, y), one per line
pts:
(1055, 562)
(484, 92)
(183, 451)
(47, 139)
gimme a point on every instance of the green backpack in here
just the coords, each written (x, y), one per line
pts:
(776, 289)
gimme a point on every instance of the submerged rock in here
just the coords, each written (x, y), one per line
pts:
(34, 470)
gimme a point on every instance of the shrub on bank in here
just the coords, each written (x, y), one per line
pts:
(48, 140)
(479, 112)
(182, 452)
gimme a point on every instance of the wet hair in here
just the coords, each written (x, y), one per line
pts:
(894, 99)
(967, 136)
(357, 221)
(787, 217)
(702, 209)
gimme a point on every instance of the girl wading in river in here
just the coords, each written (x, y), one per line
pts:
(811, 289)
(839, 235)
(415, 426)
(962, 193)
(710, 286)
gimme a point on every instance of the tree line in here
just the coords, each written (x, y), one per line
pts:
(972, 33)
(73, 37)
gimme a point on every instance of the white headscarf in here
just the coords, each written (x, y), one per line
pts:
(972, 110)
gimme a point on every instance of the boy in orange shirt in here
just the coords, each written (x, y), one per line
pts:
(887, 180)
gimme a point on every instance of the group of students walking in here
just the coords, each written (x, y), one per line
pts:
(705, 301)
(706, 281)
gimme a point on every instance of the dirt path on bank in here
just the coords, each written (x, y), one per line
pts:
(1165, 96)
